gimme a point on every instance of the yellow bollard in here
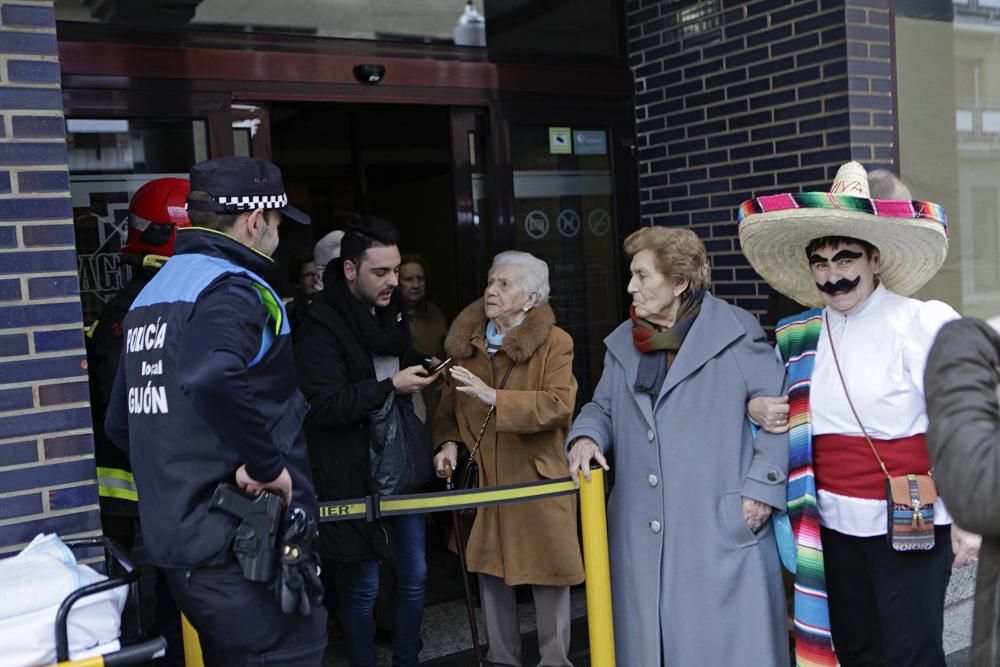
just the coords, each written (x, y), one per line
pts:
(192, 647)
(598, 569)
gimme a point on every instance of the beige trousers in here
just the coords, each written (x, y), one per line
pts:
(503, 631)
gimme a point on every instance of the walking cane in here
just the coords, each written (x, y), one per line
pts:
(465, 573)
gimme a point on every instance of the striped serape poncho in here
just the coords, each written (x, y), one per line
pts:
(797, 339)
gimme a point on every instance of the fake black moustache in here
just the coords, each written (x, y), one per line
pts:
(842, 285)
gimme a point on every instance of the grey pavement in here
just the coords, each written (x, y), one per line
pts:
(958, 614)
(446, 633)
(447, 641)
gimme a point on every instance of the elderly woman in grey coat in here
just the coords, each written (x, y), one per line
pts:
(694, 566)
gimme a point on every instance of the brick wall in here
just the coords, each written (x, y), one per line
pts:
(736, 99)
(47, 476)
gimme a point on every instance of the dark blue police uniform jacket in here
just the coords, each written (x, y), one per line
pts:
(206, 383)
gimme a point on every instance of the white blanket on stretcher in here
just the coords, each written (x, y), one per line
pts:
(32, 586)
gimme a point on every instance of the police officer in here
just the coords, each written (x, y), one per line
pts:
(206, 393)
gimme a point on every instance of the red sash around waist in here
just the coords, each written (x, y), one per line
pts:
(845, 464)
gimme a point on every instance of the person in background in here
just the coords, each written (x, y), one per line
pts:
(302, 274)
(428, 325)
(326, 250)
(855, 378)
(695, 573)
(883, 184)
(963, 436)
(514, 370)
(155, 213)
(352, 352)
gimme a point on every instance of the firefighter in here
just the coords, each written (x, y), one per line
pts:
(155, 213)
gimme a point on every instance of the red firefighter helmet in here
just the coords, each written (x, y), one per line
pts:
(156, 211)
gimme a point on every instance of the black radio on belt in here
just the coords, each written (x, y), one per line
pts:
(256, 540)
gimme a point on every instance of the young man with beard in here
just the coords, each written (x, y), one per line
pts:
(855, 379)
(352, 352)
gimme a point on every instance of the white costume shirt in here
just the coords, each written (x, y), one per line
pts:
(882, 347)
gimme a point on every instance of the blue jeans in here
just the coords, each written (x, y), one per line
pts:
(361, 588)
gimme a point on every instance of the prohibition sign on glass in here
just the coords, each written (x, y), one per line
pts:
(536, 224)
(568, 223)
(599, 222)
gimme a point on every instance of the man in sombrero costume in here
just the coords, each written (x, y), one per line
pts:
(854, 376)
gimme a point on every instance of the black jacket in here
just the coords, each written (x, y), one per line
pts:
(337, 375)
(963, 437)
(206, 384)
(297, 309)
(104, 349)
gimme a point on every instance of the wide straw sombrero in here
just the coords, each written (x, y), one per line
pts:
(911, 236)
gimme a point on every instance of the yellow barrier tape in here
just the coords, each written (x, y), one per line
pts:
(338, 511)
(358, 508)
(594, 542)
(477, 498)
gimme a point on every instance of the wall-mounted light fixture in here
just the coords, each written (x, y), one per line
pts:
(369, 73)
(470, 29)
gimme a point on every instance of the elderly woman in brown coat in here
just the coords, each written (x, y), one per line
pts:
(513, 329)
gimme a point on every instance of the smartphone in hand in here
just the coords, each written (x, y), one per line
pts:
(431, 368)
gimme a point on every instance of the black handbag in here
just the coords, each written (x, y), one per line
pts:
(466, 476)
(467, 473)
(400, 449)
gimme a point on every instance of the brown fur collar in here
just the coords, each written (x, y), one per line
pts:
(519, 343)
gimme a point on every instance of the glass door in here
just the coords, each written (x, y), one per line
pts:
(476, 198)
(570, 208)
(116, 143)
(109, 159)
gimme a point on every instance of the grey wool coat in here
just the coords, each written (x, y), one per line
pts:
(963, 437)
(690, 581)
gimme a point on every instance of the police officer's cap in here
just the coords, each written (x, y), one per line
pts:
(242, 184)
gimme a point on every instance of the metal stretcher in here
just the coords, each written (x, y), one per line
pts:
(121, 571)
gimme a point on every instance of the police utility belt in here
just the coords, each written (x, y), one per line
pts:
(274, 546)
